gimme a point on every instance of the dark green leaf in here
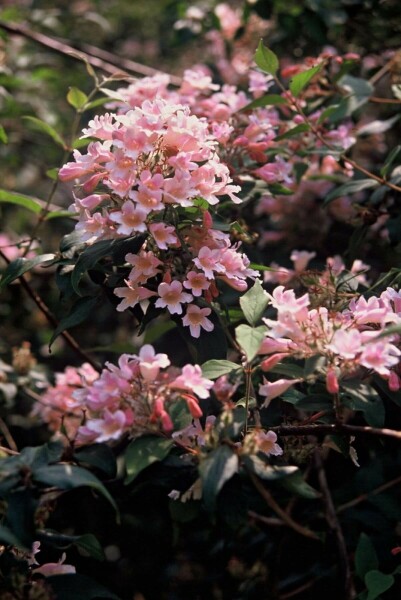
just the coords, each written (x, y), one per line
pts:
(8, 537)
(217, 468)
(365, 556)
(266, 59)
(78, 587)
(80, 311)
(180, 414)
(87, 542)
(288, 369)
(377, 583)
(143, 452)
(363, 397)
(389, 161)
(212, 369)
(254, 303)
(277, 189)
(19, 266)
(301, 128)
(250, 339)
(99, 456)
(68, 477)
(265, 471)
(351, 187)
(76, 98)
(31, 204)
(47, 129)
(301, 80)
(296, 484)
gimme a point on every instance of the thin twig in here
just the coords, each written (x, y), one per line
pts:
(365, 496)
(52, 319)
(8, 451)
(270, 501)
(7, 435)
(334, 524)
(92, 55)
(287, 430)
(271, 521)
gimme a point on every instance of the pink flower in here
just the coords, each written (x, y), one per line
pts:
(163, 235)
(132, 295)
(208, 262)
(274, 389)
(196, 282)
(110, 427)
(346, 343)
(131, 218)
(172, 296)
(266, 442)
(196, 318)
(192, 380)
(145, 265)
(150, 363)
(50, 569)
(379, 356)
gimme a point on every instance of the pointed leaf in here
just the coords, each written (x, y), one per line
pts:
(301, 128)
(267, 100)
(365, 556)
(80, 311)
(254, 303)
(212, 369)
(296, 484)
(3, 135)
(31, 204)
(377, 583)
(143, 452)
(19, 266)
(250, 339)
(217, 468)
(301, 80)
(351, 187)
(76, 98)
(68, 477)
(266, 59)
(47, 129)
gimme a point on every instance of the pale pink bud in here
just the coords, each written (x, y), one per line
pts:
(207, 220)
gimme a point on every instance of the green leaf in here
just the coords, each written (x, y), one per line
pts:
(212, 369)
(363, 397)
(28, 202)
(301, 80)
(143, 452)
(296, 484)
(87, 542)
(277, 189)
(266, 59)
(47, 129)
(358, 92)
(99, 456)
(19, 266)
(262, 267)
(76, 98)
(8, 537)
(58, 214)
(254, 303)
(289, 370)
(389, 161)
(250, 339)
(96, 103)
(301, 128)
(80, 311)
(351, 187)
(365, 556)
(180, 414)
(78, 587)
(217, 468)
(375, 127)
(68, 477)
(267, 100)
(265, 471)
(3, 135)
(377, 583)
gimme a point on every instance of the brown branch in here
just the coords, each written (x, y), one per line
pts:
(93, 55)
(270, 501)
(8, 451)
(365, 496)
(271, 521)
(384, 100)
(334, 524)
(287, 430)
(7, 436)
(52, 319)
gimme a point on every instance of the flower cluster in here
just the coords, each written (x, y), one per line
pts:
(350, 339)
(131, 398)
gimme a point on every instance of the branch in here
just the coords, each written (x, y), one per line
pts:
(92, 55)
(270, 501)
(334, 524)
(365, 496)
(287, 430)
(7, 436)
(52, 319)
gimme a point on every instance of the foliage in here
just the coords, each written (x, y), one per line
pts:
(200, 376)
